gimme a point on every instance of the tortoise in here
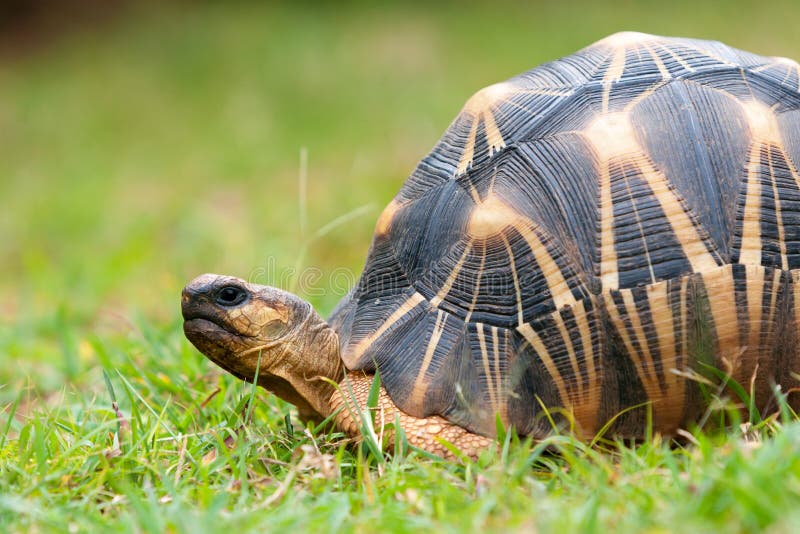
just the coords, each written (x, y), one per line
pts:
(588, 244)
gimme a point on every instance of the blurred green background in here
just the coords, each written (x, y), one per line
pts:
(162, 140)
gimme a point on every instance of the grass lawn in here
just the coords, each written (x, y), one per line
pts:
(177, 141)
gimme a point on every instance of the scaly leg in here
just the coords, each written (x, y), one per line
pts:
(420, 432)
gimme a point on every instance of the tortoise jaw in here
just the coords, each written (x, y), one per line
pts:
(215, 341)
(198, 327)
(202, 320)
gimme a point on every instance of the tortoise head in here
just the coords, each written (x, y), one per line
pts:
(266, 334)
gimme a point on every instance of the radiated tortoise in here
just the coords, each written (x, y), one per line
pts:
(585, 240)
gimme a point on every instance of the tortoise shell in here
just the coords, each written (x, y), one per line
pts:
(588, 234)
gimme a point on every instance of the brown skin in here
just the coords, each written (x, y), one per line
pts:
(246, 327)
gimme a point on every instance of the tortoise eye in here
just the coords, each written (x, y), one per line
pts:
(231, 296)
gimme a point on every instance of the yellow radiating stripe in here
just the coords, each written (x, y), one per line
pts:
(573, 360)
(613, 73)
(546, 92)
(709, 54)
(676, 57)
(651, 387)
(587, 411)
(778, 214)
(796, 295)
(648, 367)
(609, 270)
(686, 232)
(418, 392)
(477, 287)
(536, 343)
(773, 308)
(502, 407)
(657, 60)
(474, 193)
(516, 278)
(662, 319)
(493, 136)
(760, 320)
(776, 287)
(790, 65)
(684, 317)
(486, 368)
(582, 321)
(750, 247)
(448, 284)
(759, 325)
(469, 148)
(669, 413)
(720, 292)
(556, 283)
(795, 359)
(404, 308)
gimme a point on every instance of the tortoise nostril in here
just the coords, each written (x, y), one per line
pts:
(186, 299)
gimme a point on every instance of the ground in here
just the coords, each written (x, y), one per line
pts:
(170, 140)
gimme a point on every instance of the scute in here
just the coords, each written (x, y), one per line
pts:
(707, 180)
(586, 233)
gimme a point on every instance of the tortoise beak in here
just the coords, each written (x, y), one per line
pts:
(195, 297)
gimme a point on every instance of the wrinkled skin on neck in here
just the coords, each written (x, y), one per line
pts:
(251, 330)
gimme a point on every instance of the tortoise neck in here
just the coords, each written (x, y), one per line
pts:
(317, 366)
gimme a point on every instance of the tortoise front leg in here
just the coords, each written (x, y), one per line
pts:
(420, 432)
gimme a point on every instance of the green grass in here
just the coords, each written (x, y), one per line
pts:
(136, 157)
